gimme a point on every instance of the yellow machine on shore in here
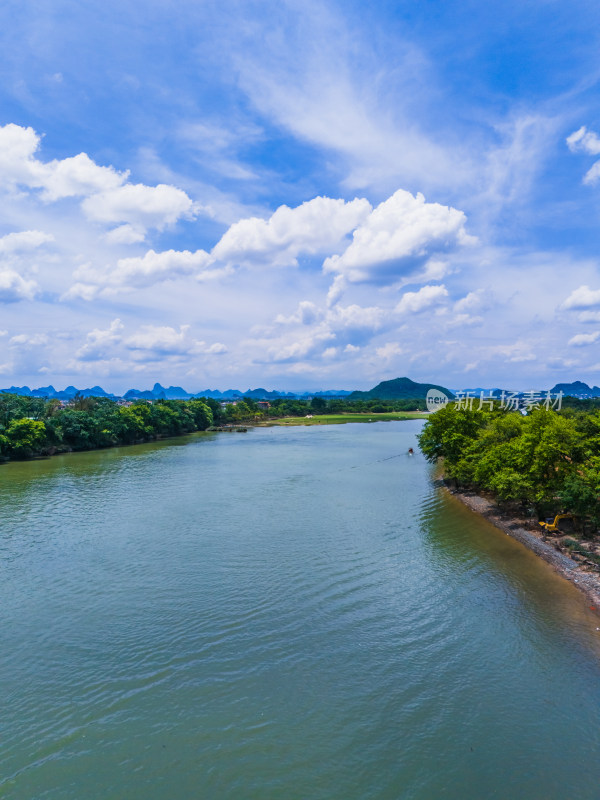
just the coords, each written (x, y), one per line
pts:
(552, 524)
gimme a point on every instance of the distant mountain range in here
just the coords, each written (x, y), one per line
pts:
(396, 389)
(49, 392)
(159, 392)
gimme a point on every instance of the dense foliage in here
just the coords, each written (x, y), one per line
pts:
(547, 460)
(249, 409)
(322, 405)
(33, 426)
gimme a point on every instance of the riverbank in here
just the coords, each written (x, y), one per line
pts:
(585, 578)
(341, 419)
(241, 426)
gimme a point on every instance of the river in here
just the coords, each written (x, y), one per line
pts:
(287, 613)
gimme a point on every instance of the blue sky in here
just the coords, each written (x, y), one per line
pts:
(299, 194)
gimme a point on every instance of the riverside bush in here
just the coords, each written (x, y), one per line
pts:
(32, 427)
(549, 460)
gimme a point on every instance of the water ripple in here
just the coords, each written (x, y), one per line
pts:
(292, 613)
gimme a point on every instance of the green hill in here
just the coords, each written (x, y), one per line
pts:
(398, 389)
(576, 389)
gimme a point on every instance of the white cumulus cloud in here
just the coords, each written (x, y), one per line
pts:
(107, 195)
(471, 302)
(583, 339)
(307, 313)
(98, 342)
(157, 341)
(28, 340)
(69, 177)
(426, 297)
(24, 240)
(137, 204)
(310, 345)
(17, 148)
(153, 267)
(14, 288)
(399, 237)
(77, 176)
(331, 332)
(81, 291)
(588, 142)
(161, 339)
(138, 272)
(582, 298)
(462, 320)
(584, 141)
(519, 352)
(389, 351)
(316, 226)
(589, 316)
(126, 234)
(354, 318)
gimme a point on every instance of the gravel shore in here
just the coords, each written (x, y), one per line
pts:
(583, 578)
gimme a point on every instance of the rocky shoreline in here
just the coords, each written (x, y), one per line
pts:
(585, 578)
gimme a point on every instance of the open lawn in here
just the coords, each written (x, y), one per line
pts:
(339, 419)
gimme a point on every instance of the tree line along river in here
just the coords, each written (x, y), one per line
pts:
(288, 613)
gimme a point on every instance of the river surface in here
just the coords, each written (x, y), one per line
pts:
(287, 613)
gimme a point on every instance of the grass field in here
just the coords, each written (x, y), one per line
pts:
(340, 419)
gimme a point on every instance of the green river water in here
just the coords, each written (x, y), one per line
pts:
(287, 613)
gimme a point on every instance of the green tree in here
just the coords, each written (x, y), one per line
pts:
(76, 428)
(580, 493)
(448, 434)
(318, 405)
(81, 403)
(202, 414)
(26, 437)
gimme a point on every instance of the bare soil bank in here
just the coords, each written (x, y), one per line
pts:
(584, 577)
